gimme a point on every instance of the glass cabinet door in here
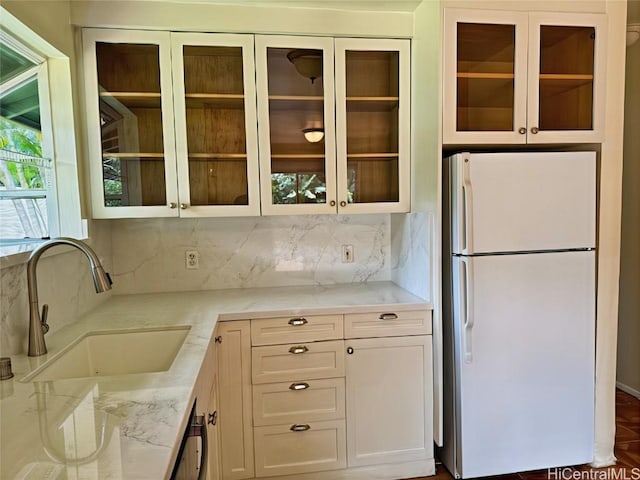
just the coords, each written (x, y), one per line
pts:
(372, 98)
(216, 138)
(296, 124)
(564, 95)
(132, 110)
(485, 76)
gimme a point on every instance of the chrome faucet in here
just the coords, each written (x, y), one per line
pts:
(38, 325)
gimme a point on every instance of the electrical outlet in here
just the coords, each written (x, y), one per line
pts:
(347, 253)
(192, 259)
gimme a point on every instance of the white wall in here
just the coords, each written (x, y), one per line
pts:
(628, 365)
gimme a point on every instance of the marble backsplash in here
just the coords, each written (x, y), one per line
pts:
(411, 247)
(149, 254)
(64, 283)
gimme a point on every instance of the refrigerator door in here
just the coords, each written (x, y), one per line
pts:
(527, 201)
(524, 336)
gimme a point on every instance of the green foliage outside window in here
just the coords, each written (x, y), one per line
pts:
(21, 139)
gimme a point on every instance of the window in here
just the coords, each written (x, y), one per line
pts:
(40, 191)
(27, 183)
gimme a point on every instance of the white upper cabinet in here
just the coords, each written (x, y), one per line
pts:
(296, 124)
(130, 123)
(174, 129)
(311, 163)
(145, 164)
(517, 77)
(372, 121)
(215, 116)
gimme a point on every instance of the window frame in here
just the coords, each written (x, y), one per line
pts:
(58, 116)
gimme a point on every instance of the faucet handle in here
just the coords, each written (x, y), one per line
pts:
(43, 318)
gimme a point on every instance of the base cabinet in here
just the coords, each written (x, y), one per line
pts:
(318, 402)
(234, 381)
(388, 391)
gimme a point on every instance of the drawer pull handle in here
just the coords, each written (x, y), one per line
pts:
(297, 322)
(299, 349)
(299, 386)
(299, 428)
(388, 316)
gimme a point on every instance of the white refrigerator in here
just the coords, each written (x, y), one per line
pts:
(519, 311)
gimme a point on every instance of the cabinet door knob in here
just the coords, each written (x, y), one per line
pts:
(332, 203)
(213, 418)
(534, 130)
(343, 203)
(388, 316)
(299, 386)
(219, 339)
(184, 206)
(299, 428)
(297, 322)
(522, 130)
(350, 350)
(299, 349)
(172, 205)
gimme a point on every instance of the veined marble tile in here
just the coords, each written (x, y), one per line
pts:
(149, 254)
(411, 244)
(64, 283)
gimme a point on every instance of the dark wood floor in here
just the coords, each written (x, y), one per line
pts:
(627, 448)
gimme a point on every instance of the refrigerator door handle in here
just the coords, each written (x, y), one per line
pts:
(467, 206)
(466, 273)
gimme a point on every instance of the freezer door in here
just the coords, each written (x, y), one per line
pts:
(515, 202)
(524, 349)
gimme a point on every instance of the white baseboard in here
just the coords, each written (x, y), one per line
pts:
(627, 389)
(422, 468)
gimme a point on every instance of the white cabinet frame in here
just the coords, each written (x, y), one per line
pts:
(178, 41)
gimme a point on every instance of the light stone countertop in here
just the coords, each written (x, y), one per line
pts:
(130, 426)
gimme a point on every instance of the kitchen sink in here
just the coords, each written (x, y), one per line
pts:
(120, 352)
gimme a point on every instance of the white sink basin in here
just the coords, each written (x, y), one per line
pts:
(122, 352)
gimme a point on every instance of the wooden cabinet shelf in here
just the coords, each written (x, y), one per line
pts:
(565, 76)
(134, 155)
(484, 75)
(134, 99)
(233, 101)
(296, 155)
(372, 156)
(230, 157)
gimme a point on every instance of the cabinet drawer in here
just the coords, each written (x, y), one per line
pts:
(294, 402)
(387, 324)
(279, 363)
(281, 451)
(307, 328)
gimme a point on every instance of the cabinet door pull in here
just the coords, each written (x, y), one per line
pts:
(350, 350)
(343, 203)
(298, 349)
(219, 339)
(297, 322)
(172, 205)
(299, 428)
(388, 316)
(535, 130)
(213, 418)
(299, 386)
(522, 130)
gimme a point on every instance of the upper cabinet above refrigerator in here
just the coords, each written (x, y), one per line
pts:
(517, 77)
